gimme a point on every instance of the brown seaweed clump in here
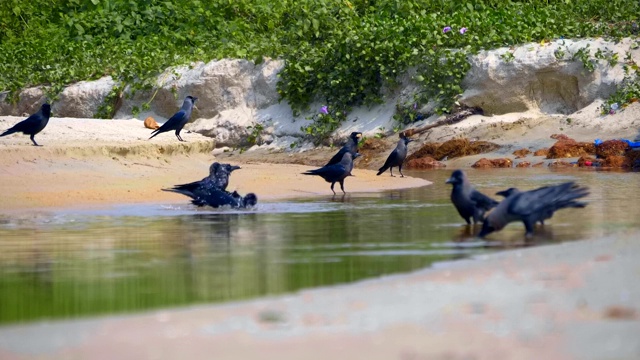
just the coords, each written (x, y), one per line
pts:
(611, 147)
(369, 149)
(453, 148)
(493, 163)
(561, 164)
(570, 148)
(372, 144)
(588, 161)
(424, 163)
(520, 153)
(616, 161)
(541, 152)
(633, 156)
(426, 150)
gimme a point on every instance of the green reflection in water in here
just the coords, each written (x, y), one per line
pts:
(82, 264)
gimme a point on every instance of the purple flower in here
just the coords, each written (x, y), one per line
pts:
(611, 112)
(446, 29)
(415, 106)
(324, 110)
(463, 30)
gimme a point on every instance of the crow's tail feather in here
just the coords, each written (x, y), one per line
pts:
(9, 131)
(180, 191)
(569, 197)
(154, 133)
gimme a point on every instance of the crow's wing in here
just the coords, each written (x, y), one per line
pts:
(547, 198)
(482, 201)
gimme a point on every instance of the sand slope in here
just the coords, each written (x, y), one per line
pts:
(86, 162)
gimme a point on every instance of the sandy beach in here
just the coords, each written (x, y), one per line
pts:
(87, 162)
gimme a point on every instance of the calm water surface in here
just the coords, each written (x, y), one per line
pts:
(75, 262)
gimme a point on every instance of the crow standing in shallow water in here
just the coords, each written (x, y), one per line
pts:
(336, 172)
(533, 206)
(33, 124)
(178, 120)
(351, 146)
(512, 191)
(469, 202)
(396, 158)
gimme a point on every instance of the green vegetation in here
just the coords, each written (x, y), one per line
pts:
(340, 52)
(628, 93)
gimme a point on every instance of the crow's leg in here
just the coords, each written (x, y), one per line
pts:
(178, 135)
(528, 225)
(32, 137)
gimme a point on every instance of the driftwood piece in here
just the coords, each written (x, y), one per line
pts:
(449, 120)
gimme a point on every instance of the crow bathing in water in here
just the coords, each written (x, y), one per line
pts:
(211, 190)
(218, 178)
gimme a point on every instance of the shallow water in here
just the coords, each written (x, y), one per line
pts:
(133, 257)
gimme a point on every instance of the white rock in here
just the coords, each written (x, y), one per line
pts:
(83, 99)
(535, 79)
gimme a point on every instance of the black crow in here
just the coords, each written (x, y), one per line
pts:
(336, 172)
(33, 124)
(351, 146)
(217, 198)
(179, 119)
(396, 158)
(469, 202)
(533, 206)
(511, 191)
(218, 179)
(222, 173)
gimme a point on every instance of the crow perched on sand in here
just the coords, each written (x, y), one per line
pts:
(33, 124)
(396, 158)
(178, 120)
(351, 146)
(533, 206)
(469, 202)
(336, 172)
